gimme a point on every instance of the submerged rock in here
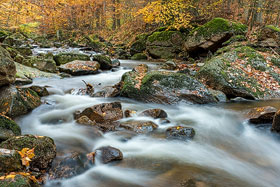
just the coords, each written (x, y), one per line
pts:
(79, 67)
(107, 154)
(241, 71)
(10, 160)
(8, 128)
(7, 68)
(154, 113)
(140, 127)
(18, 101)
(180, 133)
(261, 115)
(164, 87)
(45, 149)
(70, 166)
(63, 58)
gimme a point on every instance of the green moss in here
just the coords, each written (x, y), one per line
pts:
(64, 58)
(8, 125)
(142, 36)
(218, 25)
(274, 28)
(139, 56)
(236, 38)
(161, 36)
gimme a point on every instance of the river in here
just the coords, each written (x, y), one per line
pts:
(226, 150)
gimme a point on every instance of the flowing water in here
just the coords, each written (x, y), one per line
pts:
(226, 150)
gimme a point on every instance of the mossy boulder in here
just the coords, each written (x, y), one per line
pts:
(269, 36)
(16, 39)
(18, 101)
(18, 181)
(24, 51)
(26, 72)
(63, 58)
(241, 71)
(138, 46)
(10, 161)
(163, 87)
(211, 36)
(7, 68)
(42, 62)
(45, 149)
(164, 44)
(139, 56)
(104, 61)
(8, 128)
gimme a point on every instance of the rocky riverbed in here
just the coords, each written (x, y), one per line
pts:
(76, 118)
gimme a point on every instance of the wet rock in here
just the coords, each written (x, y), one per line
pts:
(164, 87)
(10, 160)
(219, 95)
(164, 44)
(139, 56)
(110, 91)
(180, 133)
(69, 166)
(261, 115)
(23, 81)
(78, 67)
(104, 61)
(276, 122)
(84, 120)
(154, 113)
(41, 91)
(129, 113)
(8, 128)
(7, 68)
(169, 65)
(63, 58)
(116, 62)
(269, 36)
(45, 149)
(108, 154)
(140, 127)
(241, 71)
(18, 101)
(211, 36)
(18, 181)
(103, 112)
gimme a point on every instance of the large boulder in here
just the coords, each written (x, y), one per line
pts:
(10, 160)
(163, 87)
(8, 128)
(104, 61)
(164, 44)
(44, 149)
(269, 36)
(16, 39)
(139, 45)
(7, 68)
(18, 101)
(26, 72)
(63, 58)
(211, 36)
(241, 71)
(78, 67)
(41, 62)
